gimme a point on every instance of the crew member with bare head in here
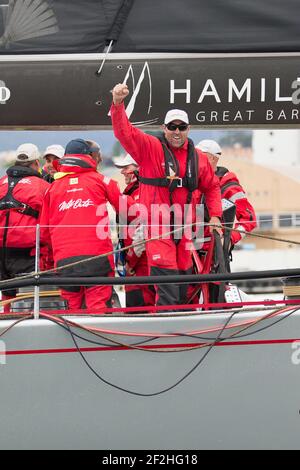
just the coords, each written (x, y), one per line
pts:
(95, 151)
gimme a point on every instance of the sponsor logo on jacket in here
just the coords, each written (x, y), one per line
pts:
(74, 190)
(75, 204)
(22, 181)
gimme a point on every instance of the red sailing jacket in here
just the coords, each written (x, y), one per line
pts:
(132, 259)
(75, 210)
(22, 232)
(148, 153)
(232, 190)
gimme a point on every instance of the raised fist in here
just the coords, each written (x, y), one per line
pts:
(119, 92)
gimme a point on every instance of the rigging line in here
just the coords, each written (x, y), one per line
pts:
(251, 234)
(27, 317)
(54, 320)
(168, 335)
(294, 310)
(118, 343)
(248, 323)
(115, 342)
(185, 349)
(144, 334)
(208, 330)
(258, 320)
(131, 392)
(129, 346)
(137, 346)
(244, 325)
(259, 330)
(62, 325)
(235, 334)
(114, 332)
(243, 328)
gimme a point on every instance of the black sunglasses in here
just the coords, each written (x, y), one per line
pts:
(172, 127)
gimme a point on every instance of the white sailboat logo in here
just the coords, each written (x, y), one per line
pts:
(137, 90)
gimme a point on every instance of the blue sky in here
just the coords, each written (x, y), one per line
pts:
(10, 140)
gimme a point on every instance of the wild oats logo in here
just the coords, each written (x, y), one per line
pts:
(4, 93)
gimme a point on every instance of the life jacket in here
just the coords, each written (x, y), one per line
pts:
(220, 172)
(9, 202)
(172, 179)
(131, 187)
(47, 177)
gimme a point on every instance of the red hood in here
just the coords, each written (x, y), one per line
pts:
(64, 166)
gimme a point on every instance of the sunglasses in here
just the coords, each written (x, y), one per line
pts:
(172, 127)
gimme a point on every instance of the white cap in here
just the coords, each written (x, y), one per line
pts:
(120, 162)
(210, 146)
(27, 153)
(57, 150)
(176, 115)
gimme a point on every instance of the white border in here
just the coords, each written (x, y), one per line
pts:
(142, 56)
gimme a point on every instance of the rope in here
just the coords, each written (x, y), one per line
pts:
(113, 224)
(257, 235)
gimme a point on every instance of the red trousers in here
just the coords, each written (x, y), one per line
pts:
(94, 297)
(139, 296)
(169, 257)
(6, 308)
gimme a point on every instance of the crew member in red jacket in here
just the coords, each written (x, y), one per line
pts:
(136, 258)
(75, 213)
(21, 197)
(232, 190)
(171, 174)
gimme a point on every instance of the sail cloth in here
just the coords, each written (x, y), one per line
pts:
(86, 26)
